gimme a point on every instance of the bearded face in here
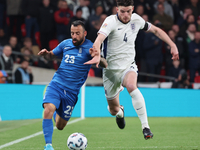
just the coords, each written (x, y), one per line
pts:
(78, 35)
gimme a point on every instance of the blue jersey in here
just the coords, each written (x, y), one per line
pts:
(72, 72)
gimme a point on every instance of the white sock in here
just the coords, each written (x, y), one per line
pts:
(120, 114)
(139, 106)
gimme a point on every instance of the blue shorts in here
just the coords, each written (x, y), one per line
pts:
(64, 100)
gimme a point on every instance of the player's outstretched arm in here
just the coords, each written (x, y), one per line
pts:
(163, 36)
(46, 53)
(95, 50)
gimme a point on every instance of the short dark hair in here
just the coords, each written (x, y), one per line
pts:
(124, 3)
(78, 22)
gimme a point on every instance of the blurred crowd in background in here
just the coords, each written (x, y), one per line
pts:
(27, 26)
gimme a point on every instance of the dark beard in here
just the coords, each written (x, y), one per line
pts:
(78, 42)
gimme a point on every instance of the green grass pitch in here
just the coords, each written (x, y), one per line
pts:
(103, 134)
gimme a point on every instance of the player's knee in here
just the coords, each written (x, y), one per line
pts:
(49, 110)
(131, 87)
(48, 113)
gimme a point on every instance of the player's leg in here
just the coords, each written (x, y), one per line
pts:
(116, 110)
(47, 124)
(130, 82)
(51, 102)
(60, 122)
(64, 112)
(113, 105)
(112, 87)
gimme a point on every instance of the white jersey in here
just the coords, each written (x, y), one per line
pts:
(119, 46)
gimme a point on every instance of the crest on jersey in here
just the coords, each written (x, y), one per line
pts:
(104, 25)
(133, 26)
(80, 50)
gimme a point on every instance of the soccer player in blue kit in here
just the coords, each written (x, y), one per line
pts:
(62, 92)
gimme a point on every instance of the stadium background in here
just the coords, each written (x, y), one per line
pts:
(15, 97)
(14, 17)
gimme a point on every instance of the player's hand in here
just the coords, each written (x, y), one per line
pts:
(96, 56)
(94, 60)
(174, 52)
(43, 52)
(93, 51)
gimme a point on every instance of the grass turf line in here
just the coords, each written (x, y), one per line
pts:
(103, 133)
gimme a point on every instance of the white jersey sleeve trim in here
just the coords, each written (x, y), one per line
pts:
(103, 33)
(149, 26)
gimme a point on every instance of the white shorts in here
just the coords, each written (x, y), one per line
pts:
(113, 79)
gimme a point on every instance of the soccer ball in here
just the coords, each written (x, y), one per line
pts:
(77, 141)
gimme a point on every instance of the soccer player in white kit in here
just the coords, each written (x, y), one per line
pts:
(118, 34)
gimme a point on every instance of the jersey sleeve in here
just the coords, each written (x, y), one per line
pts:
(147, 26)
(107, 26)
(144, 25)
(59, 49)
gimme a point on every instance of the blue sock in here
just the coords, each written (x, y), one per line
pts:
(54, 116)
(47, 126)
